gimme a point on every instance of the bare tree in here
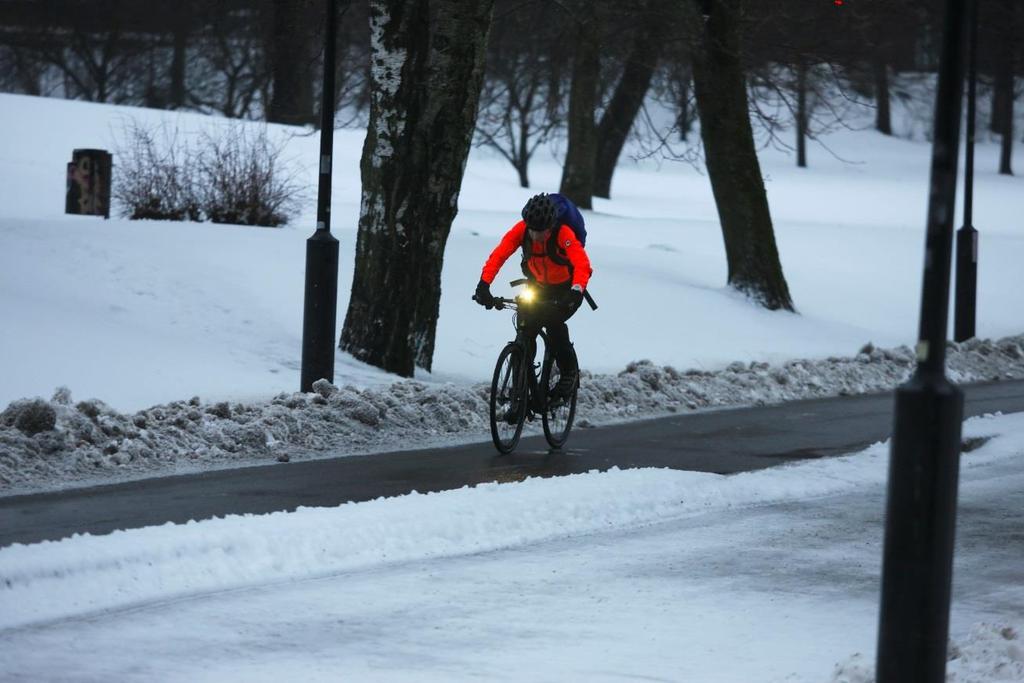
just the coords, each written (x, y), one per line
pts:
(98, 63)
(515, 117)
(682, 80)
(883, 114)
(19, 72)
(649, 37)
(292, 56)
(878, 40)
(720, 83)
(672, 87)
(180, 32)
(427, 67)
(581, 154)
(229, 66)
(794, 50)
(1005, 11)
(352, 64)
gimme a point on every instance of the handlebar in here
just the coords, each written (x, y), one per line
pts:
(500, 302)
(586, 293)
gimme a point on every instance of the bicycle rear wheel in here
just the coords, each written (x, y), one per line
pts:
(508, 399)
(557, 418)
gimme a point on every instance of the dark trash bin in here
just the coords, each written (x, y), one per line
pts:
(88, 191)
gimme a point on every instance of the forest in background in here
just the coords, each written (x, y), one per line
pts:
(261, 59)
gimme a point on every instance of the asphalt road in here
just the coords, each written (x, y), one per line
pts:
(725, 442)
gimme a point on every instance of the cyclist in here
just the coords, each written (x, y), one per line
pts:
(557, 264)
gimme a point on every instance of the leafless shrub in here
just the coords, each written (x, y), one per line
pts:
(233, 174)
(153, 175)
(244, 179)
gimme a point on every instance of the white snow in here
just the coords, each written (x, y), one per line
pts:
(141, 313)
(651, 574)
(63, 443)
(763, 576)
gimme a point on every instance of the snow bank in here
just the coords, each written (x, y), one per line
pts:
(989, 653)
(83, 574)
(49, 444)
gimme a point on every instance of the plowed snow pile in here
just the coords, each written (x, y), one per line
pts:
(60, 442)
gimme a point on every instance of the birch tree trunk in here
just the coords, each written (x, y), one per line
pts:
(426, 70)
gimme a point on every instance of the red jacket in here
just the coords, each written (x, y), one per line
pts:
(544, 269)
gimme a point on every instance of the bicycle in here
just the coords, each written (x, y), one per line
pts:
(518, 392)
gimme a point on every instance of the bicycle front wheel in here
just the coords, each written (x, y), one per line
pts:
(508, 398)
(558, 416)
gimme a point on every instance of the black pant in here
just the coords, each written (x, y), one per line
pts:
(550, 311)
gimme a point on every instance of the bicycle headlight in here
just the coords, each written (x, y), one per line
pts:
(527, 295)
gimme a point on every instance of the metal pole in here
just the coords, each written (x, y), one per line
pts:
(966, 297)
(321, 300)
(917, 562)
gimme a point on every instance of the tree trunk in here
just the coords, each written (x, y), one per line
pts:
(626, 101)
(801, 114)
(733, 168)
(1006, 148)
(995, 124)
(522, 156)
(177, 94)
(28, 72)
(521, 169)
(1002, 112)
(427, 58)
(684, 121)
(292, 55)
(578, 173)
(883, 113)
(1002, 93)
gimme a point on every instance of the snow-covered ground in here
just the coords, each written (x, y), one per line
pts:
(142, 316)
(140, 313)
(651, 574)
(622, 575)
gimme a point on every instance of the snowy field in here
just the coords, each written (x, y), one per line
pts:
(142, 313)
(639, 574)
(135, 319)
(623, 575)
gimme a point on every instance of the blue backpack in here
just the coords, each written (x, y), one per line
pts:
(570, 215)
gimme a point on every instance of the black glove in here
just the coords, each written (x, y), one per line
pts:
(483, 295)
(575, 299)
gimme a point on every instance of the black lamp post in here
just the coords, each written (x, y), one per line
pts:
(321, 301)
(917, 562)
(966, 297)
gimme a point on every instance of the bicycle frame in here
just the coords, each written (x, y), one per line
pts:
(512, 409)
(523, 341)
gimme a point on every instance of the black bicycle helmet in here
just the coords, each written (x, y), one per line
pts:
(539, 213)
